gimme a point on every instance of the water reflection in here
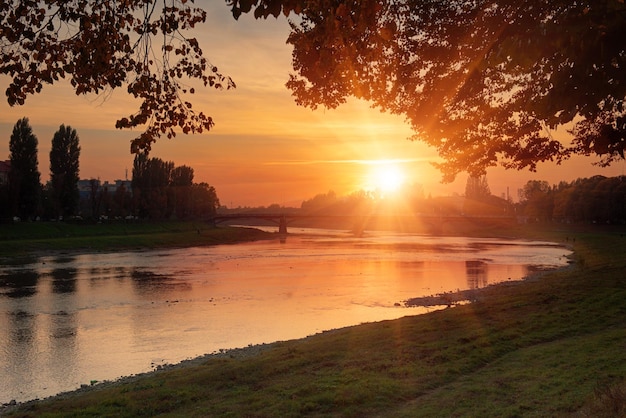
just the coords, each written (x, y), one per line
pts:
(476, 272)
(60, 362)
(22, 328)
(64, 280)
(148, 283)
(19, 284)
(72, 319)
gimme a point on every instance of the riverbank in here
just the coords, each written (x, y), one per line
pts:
(25, 239)
(548, 347)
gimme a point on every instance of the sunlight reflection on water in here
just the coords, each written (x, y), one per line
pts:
(71, 319)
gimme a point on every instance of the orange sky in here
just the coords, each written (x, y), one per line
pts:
(264, 149)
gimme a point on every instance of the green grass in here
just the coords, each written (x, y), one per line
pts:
(549, 347)
(23, 239)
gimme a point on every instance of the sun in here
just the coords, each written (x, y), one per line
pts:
(386, 177)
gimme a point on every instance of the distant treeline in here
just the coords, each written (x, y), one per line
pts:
(596, 199)
(414, 201)
(159, 190)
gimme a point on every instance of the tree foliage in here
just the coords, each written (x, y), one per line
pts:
(537, 198)
(104, 45)
(180, 185)
(163, 191)
(64, 170)
(204, 200)
(24, 176)
(151, 177)
(481, 81)
(596, 199)
(477, 188)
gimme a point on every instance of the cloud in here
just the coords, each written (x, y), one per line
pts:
(354, 161)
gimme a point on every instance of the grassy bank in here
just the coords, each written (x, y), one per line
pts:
(555, 346)
(23, 239)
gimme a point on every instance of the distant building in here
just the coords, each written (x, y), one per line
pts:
(112, 187)
(86, 186)
(5, 167)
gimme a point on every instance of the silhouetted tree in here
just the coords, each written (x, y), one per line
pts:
(480, 202)
(162, 190)
(563, 203)
(204, 200)
(64, 170)
(122, 202)
(102, 45)
(596, 199)
(477, 188)
(151, 179)
(95, 198)
(320, 202)
(538, 200)
(5, 202)
(478, 80)
(24, 176)
(180, 187)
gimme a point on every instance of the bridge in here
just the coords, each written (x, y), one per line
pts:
(359, 221)
(278, 219)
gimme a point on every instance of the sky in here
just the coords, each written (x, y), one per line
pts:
(264, 149)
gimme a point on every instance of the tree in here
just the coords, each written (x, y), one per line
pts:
(477, 188)
(182, 176)
(24, 176)
(122, 202)
(151, 179)
(321, 202)
(204, 200)
(95, 198)
(538, 200)
(104, 45)
(479, 80)
(64, 169)
(180, 185)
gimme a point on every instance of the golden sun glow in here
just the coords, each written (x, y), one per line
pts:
(385, 177)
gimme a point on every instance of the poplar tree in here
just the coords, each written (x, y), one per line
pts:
(477, 188)
(64, 171)
(24, 176)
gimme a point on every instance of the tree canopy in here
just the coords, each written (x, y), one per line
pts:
(163, 190)
(24, 174)
(103, 45)
(483, 82)
(477, 188)
(64, 170)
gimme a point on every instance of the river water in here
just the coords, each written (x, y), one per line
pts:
(70, 319)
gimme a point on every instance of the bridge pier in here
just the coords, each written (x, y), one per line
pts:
(282, 225)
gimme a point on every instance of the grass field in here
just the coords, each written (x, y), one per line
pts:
(27, 238)
(555, 346)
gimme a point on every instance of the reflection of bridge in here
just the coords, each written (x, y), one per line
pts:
(359, 221)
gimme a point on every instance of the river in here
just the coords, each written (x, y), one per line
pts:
(70, 319)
